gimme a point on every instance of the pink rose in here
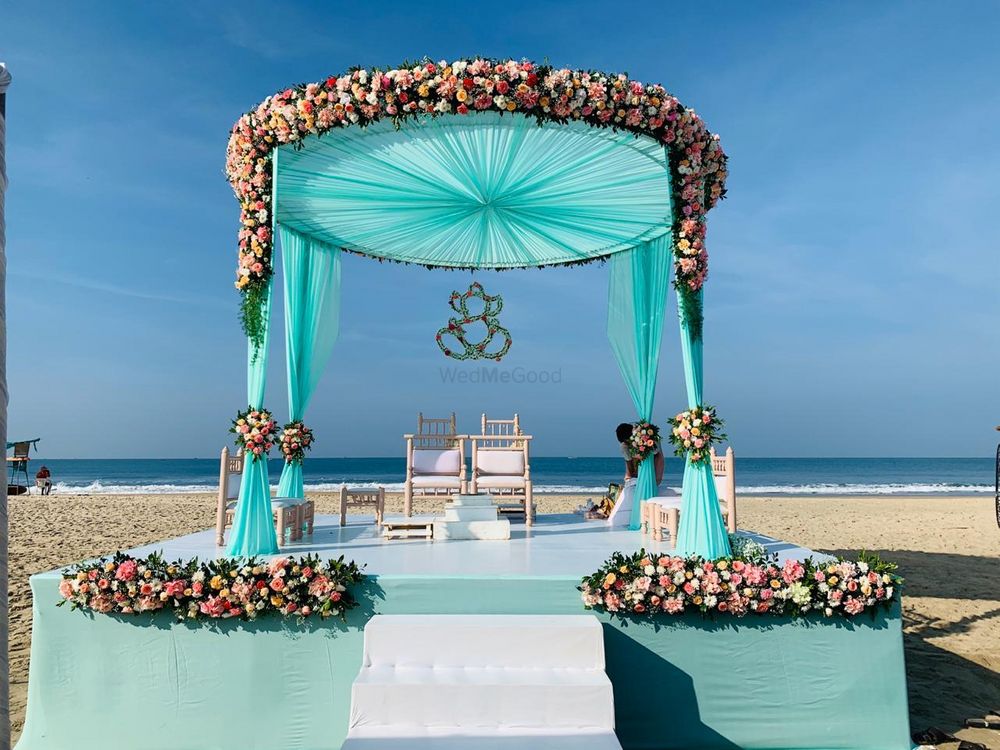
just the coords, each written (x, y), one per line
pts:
(126, 571)
(277, 584)
(853, 606)
(66, 589)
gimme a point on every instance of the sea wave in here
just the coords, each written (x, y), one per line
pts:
(111, 488)
(832, 488)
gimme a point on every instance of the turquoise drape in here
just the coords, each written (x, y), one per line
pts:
(312, 323)
(480, 190)
(637, 298)
(253, 524)
(702, 531)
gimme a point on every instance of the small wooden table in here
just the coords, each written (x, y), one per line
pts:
(408, 528)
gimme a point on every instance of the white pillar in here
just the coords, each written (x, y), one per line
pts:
(4, 610)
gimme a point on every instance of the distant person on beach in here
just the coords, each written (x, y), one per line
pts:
(624, 432)
(43, 479)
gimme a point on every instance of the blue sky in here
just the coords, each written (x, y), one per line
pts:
(852, 308)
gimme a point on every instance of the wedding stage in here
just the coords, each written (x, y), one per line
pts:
(150, 683)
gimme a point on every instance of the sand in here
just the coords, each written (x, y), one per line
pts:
(947, 548)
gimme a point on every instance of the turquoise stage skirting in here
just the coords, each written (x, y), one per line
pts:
(98, 682)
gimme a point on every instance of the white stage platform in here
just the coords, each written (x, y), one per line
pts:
(556, 545)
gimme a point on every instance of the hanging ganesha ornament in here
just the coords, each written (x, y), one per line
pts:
(452, 339)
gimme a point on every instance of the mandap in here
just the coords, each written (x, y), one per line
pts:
(476, 164)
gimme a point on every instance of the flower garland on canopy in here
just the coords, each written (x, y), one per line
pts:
(362, 96)
(647, 584)
(222, 589)
(255, 431)
(695, 432)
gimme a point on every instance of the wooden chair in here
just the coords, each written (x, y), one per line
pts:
(724, 471)
(435, 466)
(664, 512)
(501, 466)
(288, 516)
(369, 497)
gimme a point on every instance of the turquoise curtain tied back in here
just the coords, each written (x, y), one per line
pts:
(637, 299)
(253, 526)
(702, 531)
(312, 322)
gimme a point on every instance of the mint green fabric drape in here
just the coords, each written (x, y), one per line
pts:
(253, 525)
(312, 323)
(702, 531)
(480, 190)
(637, 298)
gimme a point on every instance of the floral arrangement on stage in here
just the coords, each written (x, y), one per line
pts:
(362, 96)
(644, 442)
(695, 432)
(305, 587)
(296, 439)
(650, 585)
(255, 431)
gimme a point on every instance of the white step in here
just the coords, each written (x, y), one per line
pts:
(482, 682)
(496, 530)
(482, 698)
(459, 738)
(469, 513)
(473, 641)
(473, 501)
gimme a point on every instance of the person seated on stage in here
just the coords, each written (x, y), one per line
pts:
(43, 480)
(624, 432)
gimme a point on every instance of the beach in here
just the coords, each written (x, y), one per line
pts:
(946, 547)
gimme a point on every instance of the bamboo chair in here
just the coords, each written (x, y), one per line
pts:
(373, 497)
(724, 471)
(435, 460)
(664, 513)
(501, 465)
(501, 428)
(288, 516)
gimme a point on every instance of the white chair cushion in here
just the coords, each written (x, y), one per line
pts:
(499, 481)
(721, 488)
(426, 461)
(233, 486)
(502, 462)
(431, 480)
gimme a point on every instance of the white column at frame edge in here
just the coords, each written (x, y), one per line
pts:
(4, 610)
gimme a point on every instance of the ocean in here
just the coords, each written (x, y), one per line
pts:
(587, 476)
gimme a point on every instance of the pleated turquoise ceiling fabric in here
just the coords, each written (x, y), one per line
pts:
(484, 190)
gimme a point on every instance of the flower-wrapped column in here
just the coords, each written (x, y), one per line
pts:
(637, 298)
(702, 531)
(312, 323)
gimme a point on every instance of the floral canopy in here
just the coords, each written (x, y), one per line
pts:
(412, 98)
(475, 164)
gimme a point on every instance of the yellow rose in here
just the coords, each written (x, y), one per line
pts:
(697, 600)
(832, 580)
(511, 105)
(277, 601)
(775, 583)
(462, 95)
(216, 582)
(543, 101)
(424, 90)
(224, 593)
